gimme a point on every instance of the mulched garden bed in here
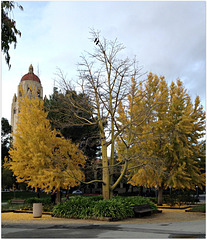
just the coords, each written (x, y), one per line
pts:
(175, 207)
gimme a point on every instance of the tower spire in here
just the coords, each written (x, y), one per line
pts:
(30, 68)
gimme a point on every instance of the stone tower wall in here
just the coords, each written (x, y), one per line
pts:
(25, 85)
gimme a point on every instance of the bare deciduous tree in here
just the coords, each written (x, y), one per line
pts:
(104, 79)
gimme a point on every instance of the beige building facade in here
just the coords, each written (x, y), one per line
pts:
(28, 81)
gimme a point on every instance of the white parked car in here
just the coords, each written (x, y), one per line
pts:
(5, 190)
(78, 192)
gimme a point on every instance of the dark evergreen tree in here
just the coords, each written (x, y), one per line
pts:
(7, 178)
(63, 117)
(9, 32)
(5, 138)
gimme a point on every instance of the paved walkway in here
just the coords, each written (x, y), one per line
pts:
(169, 224)
(194, 229)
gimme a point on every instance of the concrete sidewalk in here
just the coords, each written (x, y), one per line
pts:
(194, 229)
(168, 224)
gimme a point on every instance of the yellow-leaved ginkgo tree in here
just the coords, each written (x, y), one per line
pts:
(41, 157)
(164, 145)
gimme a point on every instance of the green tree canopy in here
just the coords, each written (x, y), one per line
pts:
(5, 138)
(9, 32)
(64, 117)
(7, 179)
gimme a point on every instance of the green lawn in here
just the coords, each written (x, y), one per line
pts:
(200, 208)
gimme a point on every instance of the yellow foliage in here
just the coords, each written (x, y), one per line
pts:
(40, 156)
(163, 135)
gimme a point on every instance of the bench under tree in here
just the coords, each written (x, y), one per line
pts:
(141, 210)
(15, 201)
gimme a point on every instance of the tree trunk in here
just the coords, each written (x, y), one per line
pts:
(58, 198)
(38, 193)
(159, 200)
(105, 173)
(111, 163)
(141, 191)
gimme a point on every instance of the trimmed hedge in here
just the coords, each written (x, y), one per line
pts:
(95, 207)
(46, 202)
(28, 204)
(38, 200)
(180, 198)
(33, 200)
(5, 196)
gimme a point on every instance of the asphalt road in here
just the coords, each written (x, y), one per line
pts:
(194, 229)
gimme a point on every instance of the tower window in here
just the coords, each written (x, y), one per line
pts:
(29, 90)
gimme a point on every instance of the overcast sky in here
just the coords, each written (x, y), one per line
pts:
(168, 39)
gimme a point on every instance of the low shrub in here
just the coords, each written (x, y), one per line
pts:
(5, 196)
(46, 203)
(112, 209)
(170, 200)
(28, 204)
(180, 199)
(77, 207)
(10, 200)
(135, 200)
(38, 200)
(93, 197)
(89, 207)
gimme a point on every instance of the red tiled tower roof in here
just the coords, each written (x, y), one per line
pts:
(30, 75)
